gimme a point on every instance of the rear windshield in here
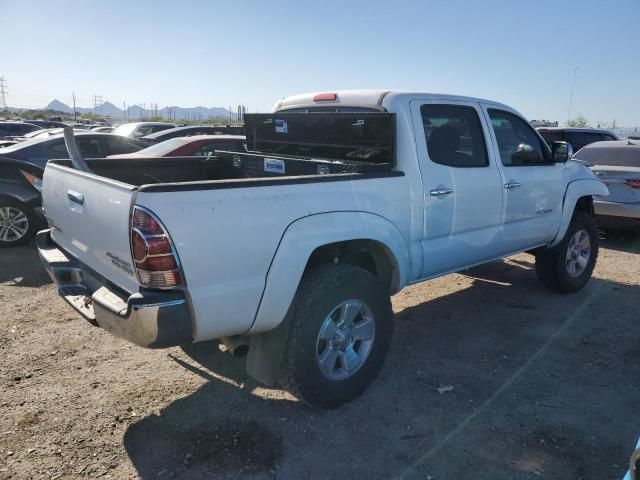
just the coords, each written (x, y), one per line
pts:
(612, 154)
(364, 136)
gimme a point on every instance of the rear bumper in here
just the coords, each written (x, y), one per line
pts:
(152, 319)
(614, 209)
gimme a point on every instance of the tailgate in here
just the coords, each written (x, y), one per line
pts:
(623, 183)
(89, 218)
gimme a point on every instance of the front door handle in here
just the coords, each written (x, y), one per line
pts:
(512, 185)
(76, 197)
(440, 192)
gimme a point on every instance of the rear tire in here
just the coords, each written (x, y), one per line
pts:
(340, 333)
(17, 223)
(567, 267)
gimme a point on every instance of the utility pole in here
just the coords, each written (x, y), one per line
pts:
(143, 106)
(124, 110)
(575, 70)
(97, 101)
(74, 106)
(3, 93)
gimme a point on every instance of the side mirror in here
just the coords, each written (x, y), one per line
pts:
(561, 151)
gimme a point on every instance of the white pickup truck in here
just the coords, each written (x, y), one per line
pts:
(291, 251)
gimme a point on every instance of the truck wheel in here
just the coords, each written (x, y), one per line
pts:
(567, 267)
(17, 223)
(340, 334)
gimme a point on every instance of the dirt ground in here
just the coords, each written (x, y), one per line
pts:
(489, 377)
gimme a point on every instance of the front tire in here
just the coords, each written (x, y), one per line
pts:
(567, 267)
(17, 223)
(340, 333)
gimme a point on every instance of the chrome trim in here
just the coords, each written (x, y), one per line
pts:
(169, 303)
(441, 192)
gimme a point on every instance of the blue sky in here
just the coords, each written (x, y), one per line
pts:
(213, 53)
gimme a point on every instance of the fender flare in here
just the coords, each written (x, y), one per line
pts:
(576, 190)
(305, 235)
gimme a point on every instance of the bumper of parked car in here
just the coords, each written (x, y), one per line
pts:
(152, 319)
(612, 214)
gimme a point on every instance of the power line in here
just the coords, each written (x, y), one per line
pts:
(3, 93)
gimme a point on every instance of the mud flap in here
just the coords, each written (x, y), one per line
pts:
(266, 350)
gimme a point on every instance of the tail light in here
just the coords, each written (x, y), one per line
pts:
(155, 258)
(632, 183)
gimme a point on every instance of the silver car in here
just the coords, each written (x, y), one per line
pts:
(617, 164)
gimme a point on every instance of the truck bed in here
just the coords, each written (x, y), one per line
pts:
(229, 168)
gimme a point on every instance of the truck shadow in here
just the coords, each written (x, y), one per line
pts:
(621, 240)
(21, 267)
(478, 361)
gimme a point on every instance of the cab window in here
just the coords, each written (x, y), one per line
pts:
(518, 143)
(454, 136)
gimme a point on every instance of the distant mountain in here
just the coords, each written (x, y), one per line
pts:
(58, 106)
(108, 109)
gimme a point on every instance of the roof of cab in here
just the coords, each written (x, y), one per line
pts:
(372, 98)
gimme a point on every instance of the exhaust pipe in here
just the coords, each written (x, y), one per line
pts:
(238, 346)
(76, 157)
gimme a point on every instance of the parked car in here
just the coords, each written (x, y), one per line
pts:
(617, 164)
(190, 131)
(576, 137)
(196, 146)
(47, 123)
(292, 250)
(21, 213)
(21, 171)
(45, 132)
(16, 129)
(5, 142)
(141, 129)
(38, 151)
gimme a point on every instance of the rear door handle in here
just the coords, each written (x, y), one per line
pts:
(76, 197)
(440, 192)
(512, 185)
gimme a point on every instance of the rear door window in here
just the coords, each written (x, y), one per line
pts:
(119, 145)
(454, 135)
(59, 147)
(551, 136)
(595, 137)
(91, 147)
(578, 139)
(159, 128)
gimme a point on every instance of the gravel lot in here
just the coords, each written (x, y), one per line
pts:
(489, 377)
